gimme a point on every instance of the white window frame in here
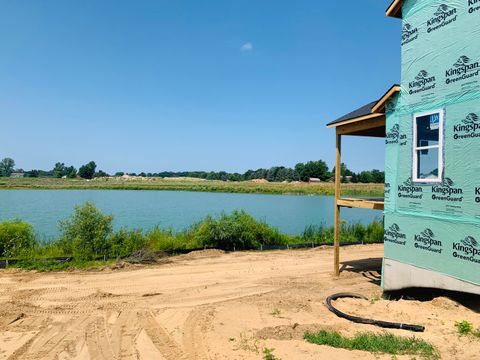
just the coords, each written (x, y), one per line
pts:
(441, 113)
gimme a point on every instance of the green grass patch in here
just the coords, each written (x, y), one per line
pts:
(375, 343)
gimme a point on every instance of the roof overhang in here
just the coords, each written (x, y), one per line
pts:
(395, 9)
(367, 124)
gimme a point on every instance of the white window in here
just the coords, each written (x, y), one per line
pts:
(428, 146)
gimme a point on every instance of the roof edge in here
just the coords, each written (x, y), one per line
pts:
(395, 9)
(360, 118)
(381, 102)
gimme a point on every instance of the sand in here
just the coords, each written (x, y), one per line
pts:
(212, 305)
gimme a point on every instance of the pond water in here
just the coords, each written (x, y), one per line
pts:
(172, 209)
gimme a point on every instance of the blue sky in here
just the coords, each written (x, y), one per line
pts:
(190, 85)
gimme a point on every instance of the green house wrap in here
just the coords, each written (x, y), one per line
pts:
(432, 143)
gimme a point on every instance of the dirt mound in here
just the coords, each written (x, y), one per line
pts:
(203, 253)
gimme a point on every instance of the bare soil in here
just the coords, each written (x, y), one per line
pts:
(212, 305)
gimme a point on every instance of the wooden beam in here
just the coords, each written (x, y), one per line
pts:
(380, 105)
(338, 168)
(376, 122)
(395, 9)
(361, 203)
(354, 120)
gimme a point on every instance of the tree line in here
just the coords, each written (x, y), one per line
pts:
(301, 172)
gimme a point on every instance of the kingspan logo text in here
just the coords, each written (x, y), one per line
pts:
(469, 127)
(423, 82)
(409, 33)
(409, 190)
(462, 69)
(393, 135)
(426, 241)
(467, 249)
(473, 6)
(446, 190)
(394, 235)
(442, 17)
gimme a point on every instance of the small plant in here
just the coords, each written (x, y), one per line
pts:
(465, 327)
(275, 312)
(375, 343)
(268, 354)
(247, 343)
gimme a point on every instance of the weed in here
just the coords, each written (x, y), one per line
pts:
(247, 343)
(268, 354)
(275, 312)
(465, 327)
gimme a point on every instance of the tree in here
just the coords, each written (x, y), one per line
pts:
(365, 177)
(71, 172)
(59, 170)
(32, 173)
(344, 171)
(101, 173)
(6, 167)
(316, 169)
(88, 170)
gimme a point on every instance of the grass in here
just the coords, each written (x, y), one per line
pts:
(250, 187)
(465, 327)
(51, 265)
(375, 343)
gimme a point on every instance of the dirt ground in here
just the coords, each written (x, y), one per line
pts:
(211, 305)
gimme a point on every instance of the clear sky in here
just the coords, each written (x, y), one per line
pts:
(190, 85)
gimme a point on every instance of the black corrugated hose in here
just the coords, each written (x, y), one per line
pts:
(357, 319)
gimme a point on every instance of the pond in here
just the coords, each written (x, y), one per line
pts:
(138, 209)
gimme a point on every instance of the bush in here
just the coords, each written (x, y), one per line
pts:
(236, 231)
(373, 232)
(125, 242)
(85, 234)
(15, 237)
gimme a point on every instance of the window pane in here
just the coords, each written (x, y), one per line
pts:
(428, 130)
(427, 164)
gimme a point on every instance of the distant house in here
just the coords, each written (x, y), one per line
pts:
(314, 180)
(18, 174)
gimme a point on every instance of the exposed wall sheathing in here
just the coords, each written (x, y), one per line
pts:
(436, 226)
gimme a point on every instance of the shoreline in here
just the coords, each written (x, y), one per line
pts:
(193, 185)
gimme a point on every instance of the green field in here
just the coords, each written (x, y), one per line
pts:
(188, 184)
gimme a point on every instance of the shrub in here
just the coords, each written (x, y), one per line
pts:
(373, 232)
(15, 237)
(85, 234)
(236, 231)
(167, 240)
(125, 242)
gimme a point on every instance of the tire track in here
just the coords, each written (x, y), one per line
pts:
(159, 337)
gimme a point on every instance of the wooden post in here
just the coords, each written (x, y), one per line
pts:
(338, 168)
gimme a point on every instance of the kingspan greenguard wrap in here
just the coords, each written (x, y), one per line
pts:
(436, 226)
